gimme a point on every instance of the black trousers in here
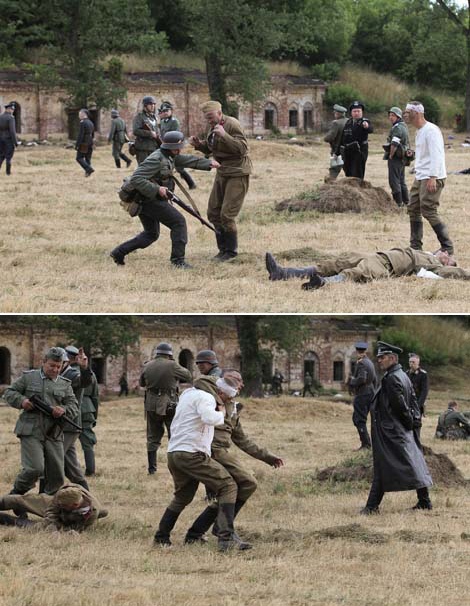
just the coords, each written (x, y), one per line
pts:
(7, 149)
(361, 406)
(152, 214)
(85, 160)
(355, 162)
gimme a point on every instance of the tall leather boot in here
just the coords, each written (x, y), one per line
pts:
(276, 272)
(126, 159)
(238, 505)
(220, 238)
(227, 541)
(231, 246)
(89, 462)
(398, 198)
(188, 179)
(201, 525)
(118, 163)
(443, 236)
(166, 525)
(364, 437)
(8, 168)
(416, 235)
(424, 500)
(152, 461)
(317, 281)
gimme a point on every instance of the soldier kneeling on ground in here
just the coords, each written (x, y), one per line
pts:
(452, 424)
(71, 508)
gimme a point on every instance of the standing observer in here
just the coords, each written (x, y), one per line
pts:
(333, 137)
(8, 140)
(145, 129)
(362, 385)
(355, 141)
(398, 143)
(84, 143)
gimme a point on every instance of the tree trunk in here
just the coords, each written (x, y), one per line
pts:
(247, 330)
(216, 80)
(467, 85)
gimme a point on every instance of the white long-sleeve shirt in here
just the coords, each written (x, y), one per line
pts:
(192, 429)
(430, 156)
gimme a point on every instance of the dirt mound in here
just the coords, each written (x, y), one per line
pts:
(344, 195)
(359, 469)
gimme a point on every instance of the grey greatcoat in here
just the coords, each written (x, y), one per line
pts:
(398, 461)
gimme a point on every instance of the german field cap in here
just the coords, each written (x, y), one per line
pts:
(211, 106)
(357, 105)
(396, 110)
(385, 348)
(339, 108)
(10, 105)
(72, 350)
(361, 345)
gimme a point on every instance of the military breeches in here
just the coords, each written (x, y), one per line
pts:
(355, 162)
(372, 267)
(188, 469)
(7, 149)
(31, 503)
(329, 265)
(396, 178)
(155, 429)
(423, 203)
(226, 200)
(40, 457)
(246, 483)
(85, 160)
(87, 437)
(117, 151)
(152, 214)
(73, 469)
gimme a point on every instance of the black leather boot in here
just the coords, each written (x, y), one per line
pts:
(398, 199)
(444, 239)
(118, 163)
(8, 168)
(231, 246)
(201, 525)
(424, 500)
(276, 272)
(166, 525)
(89, 462)
(220, 238)
(416, 235)
(117, 256)
(152, 461)
(228, 539)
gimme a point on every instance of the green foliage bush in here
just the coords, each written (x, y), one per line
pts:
(343, 94)
(326, 71)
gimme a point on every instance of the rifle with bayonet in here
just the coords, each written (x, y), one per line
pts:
(174, 198)
(46, 408)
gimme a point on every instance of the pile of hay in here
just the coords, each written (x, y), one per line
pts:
(359, 469)
(344, 195)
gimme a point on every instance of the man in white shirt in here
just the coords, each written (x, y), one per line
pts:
(190, 462)
(430, 175)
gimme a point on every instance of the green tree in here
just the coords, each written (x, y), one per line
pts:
(283, 332)
(78, 39)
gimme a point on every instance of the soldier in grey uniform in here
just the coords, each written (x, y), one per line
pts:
(160, 378)
(77, 370)
(168, 123)
(452, 424)
(420, 381)
(362, 385)
(398, 143)
(207, 363)
(152, 180)
(145, 129)
(8, 140)
(84, 143)
(41, 436)
(90, 406)
(333, 137)
(118, 136)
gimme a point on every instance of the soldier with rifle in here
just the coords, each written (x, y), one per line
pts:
(40, 433)
(169, 122)
(145, 129)
(153, 180)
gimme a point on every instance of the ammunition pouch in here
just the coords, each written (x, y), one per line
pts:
(130, 199)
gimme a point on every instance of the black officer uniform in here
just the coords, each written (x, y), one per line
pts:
(363, 385)
(84, 144)
(420, 381)
(8, 140)
(354, 144)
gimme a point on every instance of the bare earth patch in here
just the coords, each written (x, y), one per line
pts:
(344, 195)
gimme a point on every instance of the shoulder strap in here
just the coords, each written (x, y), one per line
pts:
(187, 194)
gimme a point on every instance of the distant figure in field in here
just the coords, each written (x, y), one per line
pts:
(84, 143)
(8, 140)
(452, 424)
(118, 136)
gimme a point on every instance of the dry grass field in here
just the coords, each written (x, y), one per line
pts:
(310, 544)
(58, 229)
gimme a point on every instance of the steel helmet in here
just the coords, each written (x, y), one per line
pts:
(206, 355)
(149, 99)
(164, 349)
(174, 139)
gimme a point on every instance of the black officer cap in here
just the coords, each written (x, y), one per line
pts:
(386, 348)
(11, 105)
(361, 345)
(164, 106)
(71, 350)
(356, 104)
